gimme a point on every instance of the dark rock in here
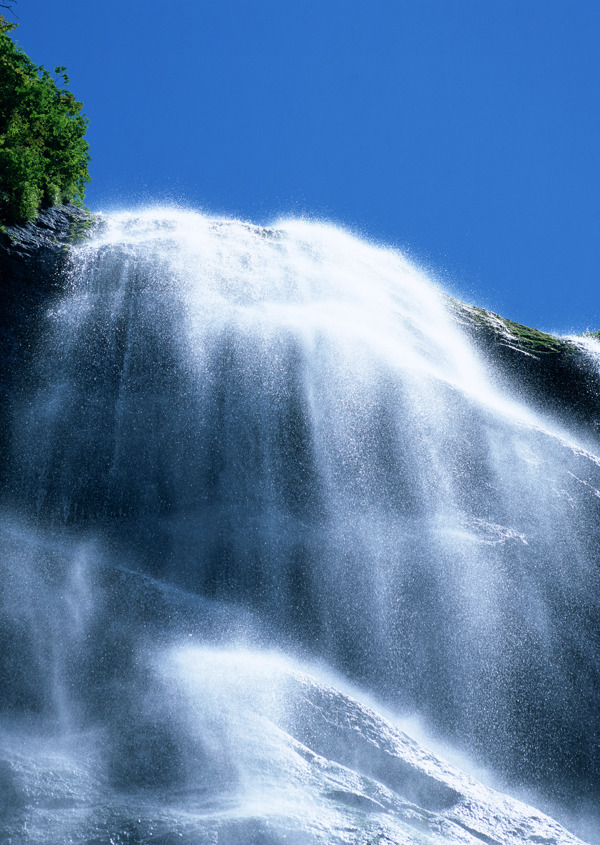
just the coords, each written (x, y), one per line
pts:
(33, 258)
(554, 375)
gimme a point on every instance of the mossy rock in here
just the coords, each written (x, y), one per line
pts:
(554, 375)
(508, 333)
(82, 227)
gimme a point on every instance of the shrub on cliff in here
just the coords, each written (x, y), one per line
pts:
(43, 152)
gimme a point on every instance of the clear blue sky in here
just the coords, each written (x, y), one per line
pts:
(465, 131)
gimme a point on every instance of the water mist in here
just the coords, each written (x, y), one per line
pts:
(240, 452)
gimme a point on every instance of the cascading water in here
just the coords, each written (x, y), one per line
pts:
(236, 441)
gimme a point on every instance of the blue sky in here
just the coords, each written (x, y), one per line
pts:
(467, 132)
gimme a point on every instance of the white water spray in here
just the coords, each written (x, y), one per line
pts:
(280, 436)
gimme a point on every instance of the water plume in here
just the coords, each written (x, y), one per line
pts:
(251, 438)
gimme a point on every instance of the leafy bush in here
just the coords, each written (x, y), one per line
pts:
(43, 152)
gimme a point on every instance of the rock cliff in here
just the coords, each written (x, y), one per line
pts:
(33, 259)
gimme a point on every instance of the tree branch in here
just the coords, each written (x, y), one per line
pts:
(8, 5)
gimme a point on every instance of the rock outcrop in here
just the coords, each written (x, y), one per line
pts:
(33, 258)
(556, 375)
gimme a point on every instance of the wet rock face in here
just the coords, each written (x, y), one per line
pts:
(201, 456)
(32, 260)
(30, 254)
(554, 375)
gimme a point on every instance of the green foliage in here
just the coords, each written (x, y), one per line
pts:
(43, 152)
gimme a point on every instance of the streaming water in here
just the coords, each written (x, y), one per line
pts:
(237, 438)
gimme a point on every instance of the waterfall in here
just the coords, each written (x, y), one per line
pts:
(241, 451)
